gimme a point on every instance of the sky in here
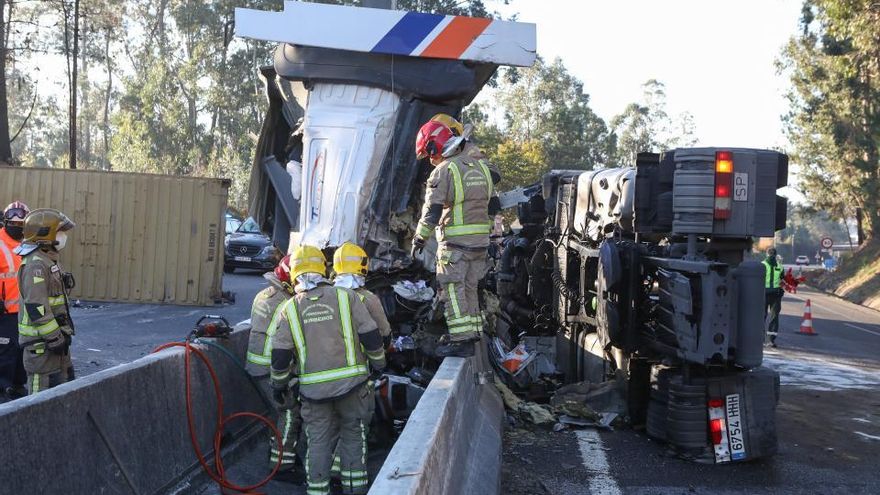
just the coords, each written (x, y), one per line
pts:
(715, 57)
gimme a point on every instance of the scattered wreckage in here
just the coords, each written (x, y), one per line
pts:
(624, 289)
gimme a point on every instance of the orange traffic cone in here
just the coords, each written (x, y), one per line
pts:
(807, 324)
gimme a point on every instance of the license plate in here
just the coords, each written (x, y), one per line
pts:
(242, 258)
(735, 428)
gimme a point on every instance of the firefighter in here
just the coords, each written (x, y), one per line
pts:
(12, 374)
(772, 294)
(326, 339)
(265, 312)
(350, 263)
(460, 204)
(45, 329)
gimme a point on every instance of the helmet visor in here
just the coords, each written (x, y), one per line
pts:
(15, 215)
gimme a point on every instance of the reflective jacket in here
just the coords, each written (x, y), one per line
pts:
(265, 313)
(462, 185)
(43, 316)
(9, 263)
(325, 338)
(772, 275)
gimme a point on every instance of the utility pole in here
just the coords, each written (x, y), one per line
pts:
(74, 82)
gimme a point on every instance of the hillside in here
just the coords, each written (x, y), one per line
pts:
(858, 277)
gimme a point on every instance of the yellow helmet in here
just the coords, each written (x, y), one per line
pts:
(42, 225)
(307, 259)
(449, 122)
(350, 258)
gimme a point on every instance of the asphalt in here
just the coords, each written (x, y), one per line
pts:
(108, 334)
(828, 426)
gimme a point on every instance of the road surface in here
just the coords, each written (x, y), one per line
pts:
(828, 426)
(108, 334)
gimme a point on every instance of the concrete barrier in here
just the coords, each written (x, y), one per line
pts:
(121, 430)
(452, 441)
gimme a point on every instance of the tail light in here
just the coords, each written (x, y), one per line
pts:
(717, 426)
(723, 184)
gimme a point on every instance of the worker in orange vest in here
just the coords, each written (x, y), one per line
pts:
(12, 374)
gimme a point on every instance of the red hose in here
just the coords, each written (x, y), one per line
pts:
(218, 475)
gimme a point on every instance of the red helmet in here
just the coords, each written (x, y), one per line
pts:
(431, 139)
(282, 271)
(15, 212)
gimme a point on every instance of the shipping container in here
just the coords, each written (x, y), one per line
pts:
(139, 237)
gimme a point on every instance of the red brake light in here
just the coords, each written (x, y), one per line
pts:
(723, 184)
(716, 403)
(715, 427)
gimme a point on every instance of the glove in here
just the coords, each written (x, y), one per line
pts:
(418, 245)
(69, 281)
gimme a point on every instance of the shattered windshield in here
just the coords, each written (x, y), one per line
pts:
(249, 227)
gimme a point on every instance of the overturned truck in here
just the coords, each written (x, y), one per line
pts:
(642, 273)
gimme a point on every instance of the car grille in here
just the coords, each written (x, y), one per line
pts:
(243, 250)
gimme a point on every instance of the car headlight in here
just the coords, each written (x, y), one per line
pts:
(226, 241)
(268, 250)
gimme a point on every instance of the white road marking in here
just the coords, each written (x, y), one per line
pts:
(861, 420)
(93, 350)
(846, 317)
(869, 437)
(596, 463)
(862, 329)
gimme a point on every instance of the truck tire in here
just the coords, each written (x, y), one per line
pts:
(655, 424)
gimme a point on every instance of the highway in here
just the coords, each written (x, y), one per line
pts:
(828, 426)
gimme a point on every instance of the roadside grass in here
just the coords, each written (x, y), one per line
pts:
(857, 279)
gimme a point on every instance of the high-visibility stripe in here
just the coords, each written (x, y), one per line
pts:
(425, 231)
(258, 359)
(296, 332)
(38, 330)
(468, 229)
(271, 331)
(453, 298)
(332, 375)
(280, 377)
(353, 474)
(9, 275)
(375, 356)
(35, 383)
(488, 174)
(347, 332)
(7, 256)
(458, 201)
(56, 300)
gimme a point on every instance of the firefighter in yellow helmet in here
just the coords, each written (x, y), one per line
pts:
(44, 325)
(350, 264)
(265, 313)
(461, 204)
(327, 339)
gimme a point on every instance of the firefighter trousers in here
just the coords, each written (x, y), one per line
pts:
(289, 423)
(12, 372)
(772, 308)
(339, 424)
(459, 271)
(46, 369)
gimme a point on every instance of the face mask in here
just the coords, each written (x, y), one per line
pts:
(15, 231)
(60, 240)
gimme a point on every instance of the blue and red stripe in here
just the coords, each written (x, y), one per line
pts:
(408, 33)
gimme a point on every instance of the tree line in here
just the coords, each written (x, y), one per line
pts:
(163, 86)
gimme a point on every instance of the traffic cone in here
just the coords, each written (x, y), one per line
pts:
(807, 324)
